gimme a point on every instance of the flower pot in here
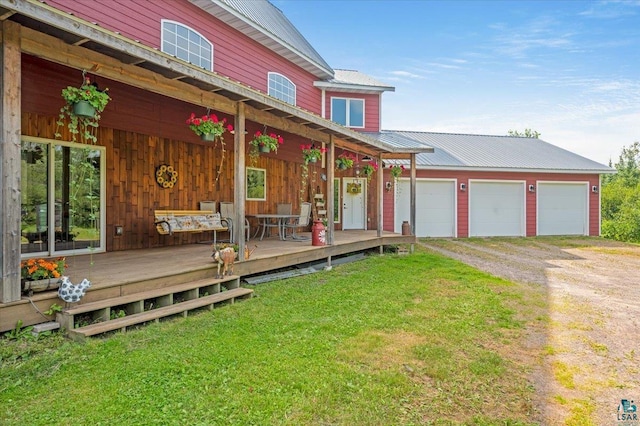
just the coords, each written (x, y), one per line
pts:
(264, 148)
(40, 285)
(84, 109)
(208, 137)
(313, 159)
(342, 166)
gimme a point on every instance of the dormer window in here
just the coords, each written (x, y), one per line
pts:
(348, 112)
(186, 44)
(280, 87)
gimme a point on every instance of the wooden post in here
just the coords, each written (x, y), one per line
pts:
(412, 209)
(238, 176)
(330, 205)
(10, 110)
(380, 196)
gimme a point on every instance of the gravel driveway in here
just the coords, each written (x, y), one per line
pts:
(585, 351)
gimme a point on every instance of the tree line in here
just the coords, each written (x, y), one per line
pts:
(621, 197)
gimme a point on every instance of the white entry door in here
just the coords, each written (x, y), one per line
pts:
(354, 211)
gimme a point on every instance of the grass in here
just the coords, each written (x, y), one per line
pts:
(392, 340)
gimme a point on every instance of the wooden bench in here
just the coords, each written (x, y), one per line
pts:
(169, 222)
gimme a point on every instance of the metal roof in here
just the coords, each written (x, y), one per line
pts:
(118, 53)
(484, 152)
(266, 24)
(354, 81)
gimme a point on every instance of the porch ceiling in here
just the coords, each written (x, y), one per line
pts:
(75, 33)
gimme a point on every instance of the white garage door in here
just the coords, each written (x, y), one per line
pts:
(435, 207)
(496, 209)
(563, 208)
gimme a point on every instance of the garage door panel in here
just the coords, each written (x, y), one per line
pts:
(435, 208)
(496, 209)
(562, 208)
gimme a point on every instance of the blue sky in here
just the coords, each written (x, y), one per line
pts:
(568, 69)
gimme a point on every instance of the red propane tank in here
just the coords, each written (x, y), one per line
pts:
(318, 234)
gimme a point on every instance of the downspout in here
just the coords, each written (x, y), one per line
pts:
(323, 104)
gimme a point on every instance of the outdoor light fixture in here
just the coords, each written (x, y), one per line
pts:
(357, 169)
(387, 186)
(532, 188)
(594, 189)
(463, 187)
(366, 158)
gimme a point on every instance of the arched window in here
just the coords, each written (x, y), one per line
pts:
(282, 88)
(186, 44)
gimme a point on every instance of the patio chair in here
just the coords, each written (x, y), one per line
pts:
(280, 209)
(301, 221)
(227, 211)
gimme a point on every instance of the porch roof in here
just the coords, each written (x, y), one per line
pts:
(48, 32)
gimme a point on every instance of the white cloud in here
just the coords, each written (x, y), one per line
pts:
(405, 74)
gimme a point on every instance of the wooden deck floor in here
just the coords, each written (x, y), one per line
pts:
(124, 272)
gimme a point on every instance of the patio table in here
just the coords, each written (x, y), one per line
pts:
(266, 218)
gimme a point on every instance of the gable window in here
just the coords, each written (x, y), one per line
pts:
(280, 87)
(348, 112)
(186, 44)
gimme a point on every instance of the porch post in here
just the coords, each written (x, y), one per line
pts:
(10, 110)
(238, 179)
(380, 195)
(412, 209)
(331, 157)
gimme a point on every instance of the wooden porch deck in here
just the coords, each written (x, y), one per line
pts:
(122, 273)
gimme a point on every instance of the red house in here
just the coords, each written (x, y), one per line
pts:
(76, 194)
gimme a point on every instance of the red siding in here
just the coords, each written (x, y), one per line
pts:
(235, 55)
(530, 198)
(371, 109)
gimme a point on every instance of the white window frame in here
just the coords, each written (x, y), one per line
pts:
(348, 118)
(279, 94)
(201, 57)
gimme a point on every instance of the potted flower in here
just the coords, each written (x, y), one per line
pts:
(266, 143)
(208, 127)
(311, 153)
(41, 274)
(368, 169)
(345, 161)
(396, 170)
(83, 107)
(263, 142)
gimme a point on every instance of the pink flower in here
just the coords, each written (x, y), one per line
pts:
(230, 128)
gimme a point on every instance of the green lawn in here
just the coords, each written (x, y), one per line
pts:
(391, 340)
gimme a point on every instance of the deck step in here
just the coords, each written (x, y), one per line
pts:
(155, 314)
(150, 294)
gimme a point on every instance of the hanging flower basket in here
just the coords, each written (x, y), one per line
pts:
(82, 110)
(208, 127)
(345, 161)
(396, 171)
(311, 153)
(265, 143)
(368, 170)
(269, 142)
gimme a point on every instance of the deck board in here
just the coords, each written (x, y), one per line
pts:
(120, 273)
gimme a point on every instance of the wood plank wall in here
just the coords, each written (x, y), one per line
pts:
(141, 131)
